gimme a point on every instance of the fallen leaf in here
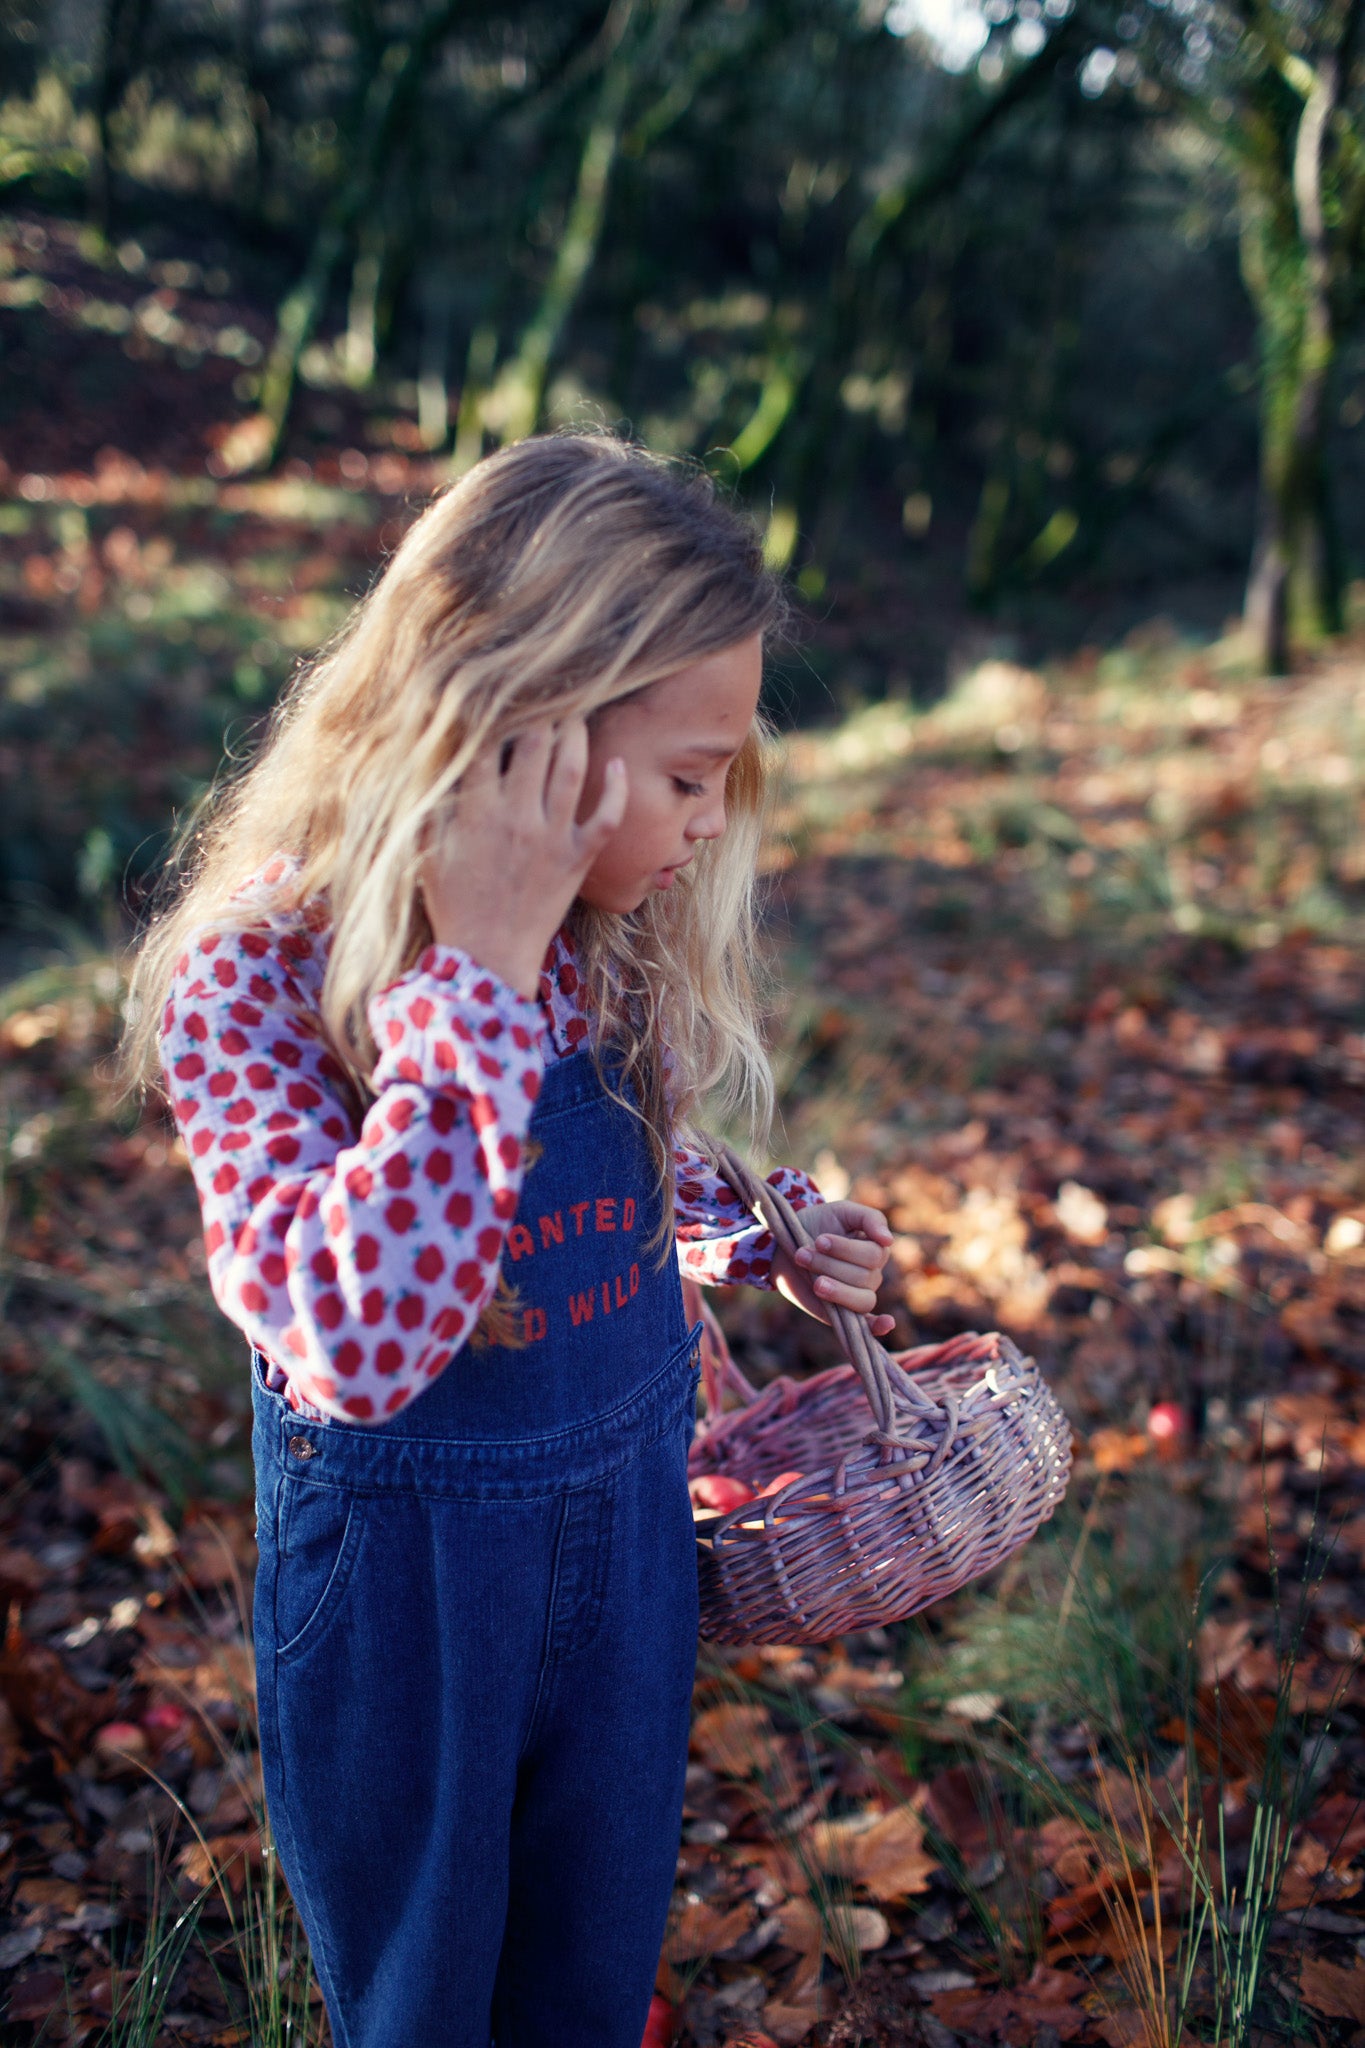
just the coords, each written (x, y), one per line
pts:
(1080, 1906)
(106, 1987)
(17, 1946)
(974, 1706)
(1174, 1218)
(1049, 1999)
(803, 1933)
(21, 1573)
(1330, 1989)
(1123, 2030)
(44, 1698)
(222, 1856)
(222, 1684)
(703, 1930)
(11, 1747)
(158, 1542)
(1117, 1450)
(1069, 1849)
(1232, 1730)
(1306, 1866)
(737, 1740)
(1339, 1823)
(838, 1931)
(789, 2021)
(56, 1894)
(1081, 1213)
(965, 1811)
(1221, 1645)
(216, 1551)
(39, 1997)
(889, 1859)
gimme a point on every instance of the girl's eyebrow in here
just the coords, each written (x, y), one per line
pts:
(709, 753)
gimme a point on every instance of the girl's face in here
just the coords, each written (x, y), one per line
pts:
(677, 738)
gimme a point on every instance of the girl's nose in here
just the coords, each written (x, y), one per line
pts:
(710, 822)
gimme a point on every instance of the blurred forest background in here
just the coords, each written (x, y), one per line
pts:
(1018, 324)
(1030, 331)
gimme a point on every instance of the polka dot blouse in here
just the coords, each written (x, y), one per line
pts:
(358, 1257)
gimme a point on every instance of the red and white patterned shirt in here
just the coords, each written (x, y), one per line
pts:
(358, 1257)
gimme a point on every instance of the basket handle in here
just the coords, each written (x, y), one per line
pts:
(862, 1350)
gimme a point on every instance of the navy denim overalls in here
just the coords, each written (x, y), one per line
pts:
(475, 1637)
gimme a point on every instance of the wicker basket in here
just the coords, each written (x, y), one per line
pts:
(964, 1453)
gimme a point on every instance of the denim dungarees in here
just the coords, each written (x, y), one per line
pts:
(475, 1635)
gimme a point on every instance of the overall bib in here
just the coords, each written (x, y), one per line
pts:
(475, 1637)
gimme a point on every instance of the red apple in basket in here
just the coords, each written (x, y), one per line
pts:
(776, 1485)
(765, 1493)
(715, 1493)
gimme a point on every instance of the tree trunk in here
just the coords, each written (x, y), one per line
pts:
(1295, 580)
(513, 407)
(360, 344)
(879, 241)
(1294, 586)
(433, 389)
(482, 354)
(387, 100)
(123, 32)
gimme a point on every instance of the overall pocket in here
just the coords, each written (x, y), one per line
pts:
(318, 1539)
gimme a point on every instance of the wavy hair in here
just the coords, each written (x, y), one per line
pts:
(556, 577)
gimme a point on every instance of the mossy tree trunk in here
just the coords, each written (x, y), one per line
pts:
(1296, 262)
(514, 406)
(385, 106)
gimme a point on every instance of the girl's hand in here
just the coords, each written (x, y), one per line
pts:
(844, 1270)
(503, 866)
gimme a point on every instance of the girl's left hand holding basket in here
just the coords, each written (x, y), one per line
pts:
(846, 1266)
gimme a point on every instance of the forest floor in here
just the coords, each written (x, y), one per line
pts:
(1071, 984)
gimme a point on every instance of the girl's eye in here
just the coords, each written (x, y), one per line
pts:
(689, 788)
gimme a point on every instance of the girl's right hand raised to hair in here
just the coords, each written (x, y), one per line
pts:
(503, 866)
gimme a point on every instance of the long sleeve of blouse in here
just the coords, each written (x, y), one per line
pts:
(358, 1251)
(719, 1243)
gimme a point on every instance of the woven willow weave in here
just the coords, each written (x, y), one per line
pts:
(963, 1454)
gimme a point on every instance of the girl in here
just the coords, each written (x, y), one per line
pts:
(457, 959)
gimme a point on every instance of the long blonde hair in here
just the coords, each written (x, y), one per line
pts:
(555, 577)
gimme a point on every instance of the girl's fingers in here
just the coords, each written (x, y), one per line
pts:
(605, 819)
(852, 1251)
(845, 1276)
(838, 1294)
(523, 763)
(830, 1273)
(482, 768)
(564, 772)
(856, 1216)
(484, 774)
